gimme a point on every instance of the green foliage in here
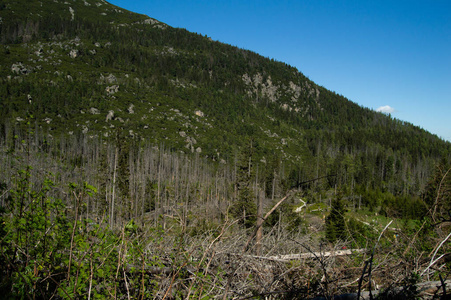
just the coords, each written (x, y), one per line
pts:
(286, 214)
(47, 252)
(161, 71)
(360, 234)
(35, 227)
(335, 221)
(244, 207)
(41, 255)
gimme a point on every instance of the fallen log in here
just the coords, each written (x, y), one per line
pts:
(306, 255)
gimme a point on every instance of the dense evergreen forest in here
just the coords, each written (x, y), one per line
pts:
(138, 160)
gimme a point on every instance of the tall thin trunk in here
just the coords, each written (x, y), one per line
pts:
(259, 223)
(114, 187)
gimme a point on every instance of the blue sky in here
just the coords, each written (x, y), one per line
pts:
(391, 55)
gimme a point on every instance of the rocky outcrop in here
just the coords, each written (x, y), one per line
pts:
(131, 109)
(154, 23)
(20, 69)
(74, 53)
(260, 88)
(109, 116)
(110, 79)
(111, 90)
(199, 113)
(94, 111)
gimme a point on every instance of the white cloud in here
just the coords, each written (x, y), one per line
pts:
(386, 109)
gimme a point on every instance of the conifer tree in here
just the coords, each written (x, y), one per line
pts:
(335, 221)
(244, 206)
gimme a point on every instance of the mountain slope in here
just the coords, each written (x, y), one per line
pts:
(128, 145)
(86, 67)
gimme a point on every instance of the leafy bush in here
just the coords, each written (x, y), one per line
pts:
(45, 253)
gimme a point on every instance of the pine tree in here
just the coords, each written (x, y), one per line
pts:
(335, 221)
(244, 206)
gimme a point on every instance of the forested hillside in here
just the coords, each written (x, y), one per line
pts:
(118, 122)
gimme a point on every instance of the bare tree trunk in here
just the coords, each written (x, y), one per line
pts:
(259, 223)
(114, 187)
(273, 185)
(158, 206)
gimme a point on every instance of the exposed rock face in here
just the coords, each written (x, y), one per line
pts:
(20, 69)
(296, 90)
(131, 109)
(155, 23)
(110, 79)
(190, 143)
(39, 52)
(270, 90)
(151, 21)
(169, 50)
(111, 90)
(94, 111)
(260, 88)
(109, 116)
(199, 113)
(74, 53)
(312, 92)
